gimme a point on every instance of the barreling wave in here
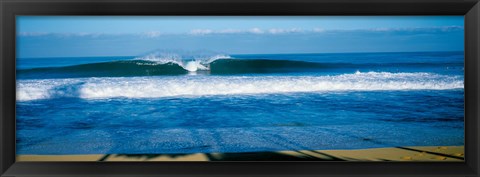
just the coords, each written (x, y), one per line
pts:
(157, 67)
(156, 87)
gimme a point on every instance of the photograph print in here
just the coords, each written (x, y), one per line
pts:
(240, 88)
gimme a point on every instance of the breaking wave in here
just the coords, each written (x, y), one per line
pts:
(156, 87)
(158, 67)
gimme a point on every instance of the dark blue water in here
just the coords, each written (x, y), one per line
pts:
(239, 103)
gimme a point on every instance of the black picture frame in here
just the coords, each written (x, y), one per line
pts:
(11, 8)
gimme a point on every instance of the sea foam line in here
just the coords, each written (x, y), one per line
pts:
(156, 87)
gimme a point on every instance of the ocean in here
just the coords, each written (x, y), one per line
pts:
(171, 104)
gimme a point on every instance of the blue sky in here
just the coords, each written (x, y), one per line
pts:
(71, 36)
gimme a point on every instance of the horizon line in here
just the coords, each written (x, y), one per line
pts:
(302, 53)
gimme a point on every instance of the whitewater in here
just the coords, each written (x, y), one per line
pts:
(155, 87)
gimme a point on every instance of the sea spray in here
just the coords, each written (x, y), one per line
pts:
(190, 61)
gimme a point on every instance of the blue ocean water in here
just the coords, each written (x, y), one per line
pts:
(239, 103)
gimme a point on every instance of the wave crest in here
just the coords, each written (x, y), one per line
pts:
(216, 65)
(190, 63)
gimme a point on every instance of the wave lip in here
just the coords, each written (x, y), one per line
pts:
(157, 87)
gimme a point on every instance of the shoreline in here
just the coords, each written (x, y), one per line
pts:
(410, 153)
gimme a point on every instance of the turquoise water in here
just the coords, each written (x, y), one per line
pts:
(239, 103)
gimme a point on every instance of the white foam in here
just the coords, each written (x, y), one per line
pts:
(191, 66)
(190, 63)
(45, 89)
(154, 87)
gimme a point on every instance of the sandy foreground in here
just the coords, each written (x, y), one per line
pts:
(417, 153)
